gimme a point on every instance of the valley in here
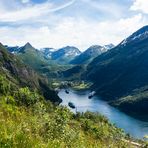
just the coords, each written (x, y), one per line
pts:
(73, 74)
(117, 75)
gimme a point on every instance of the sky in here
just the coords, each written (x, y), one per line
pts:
(80, 23)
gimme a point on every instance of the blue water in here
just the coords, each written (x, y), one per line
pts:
(134, 127)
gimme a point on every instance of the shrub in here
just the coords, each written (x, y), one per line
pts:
(25, 97)
(4, 86)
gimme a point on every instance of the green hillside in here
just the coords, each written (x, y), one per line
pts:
(20, 75)
(37, 61)
(122, 70)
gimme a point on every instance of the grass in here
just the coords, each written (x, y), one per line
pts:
(44, 125)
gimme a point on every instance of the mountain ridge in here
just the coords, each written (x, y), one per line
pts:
(121, 70)
(89, 54)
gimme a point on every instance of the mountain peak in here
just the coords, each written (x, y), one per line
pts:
(66, 53)
(94, 49)
(47, 51)
(109, 46)
(28, 45)
(139, 35)
(95, 46)
(72, 48)
(88, 55)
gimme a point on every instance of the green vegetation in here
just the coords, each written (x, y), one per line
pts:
(27, 120)
(136, 101)
(37, 61)
(17, 75)
(117, 73)
(76, 85)
(81, 85)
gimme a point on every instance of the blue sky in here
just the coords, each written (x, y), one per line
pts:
(81, 23)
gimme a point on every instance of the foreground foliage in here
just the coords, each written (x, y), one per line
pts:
(28, 121)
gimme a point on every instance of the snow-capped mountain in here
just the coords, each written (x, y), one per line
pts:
(66, 53)
(139, 35)
(124, 68)
(108, 47)
(88, 55)
(47, 52)
(125, 65)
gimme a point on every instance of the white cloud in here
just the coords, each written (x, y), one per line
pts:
(69, 31)
(111, 8)
(31, 12)
(41, 26)
(140, 5)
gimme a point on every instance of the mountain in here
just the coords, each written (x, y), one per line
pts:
(32, 56)
(40, 123)
(108, 47)
(88, 55)
(20, 75)
(47, 52)
(12, 49)
(121, 73)
(139, 35)
(17, 49)
(39, 60)
(66, 54)
(26, 47)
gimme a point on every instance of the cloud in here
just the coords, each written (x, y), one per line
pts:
(33, 11)
(78, 33)
(140, 5)
(55, 24)
(109, 7)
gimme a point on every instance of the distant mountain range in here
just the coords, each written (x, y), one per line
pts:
(39, 60)
(91, 53)
(121, 74)
(66, 54)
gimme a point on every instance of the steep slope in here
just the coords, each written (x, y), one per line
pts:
(66, 54)
(21, 76)
(118, 72)
(88, 55)
(31, 56)
(39, 60)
